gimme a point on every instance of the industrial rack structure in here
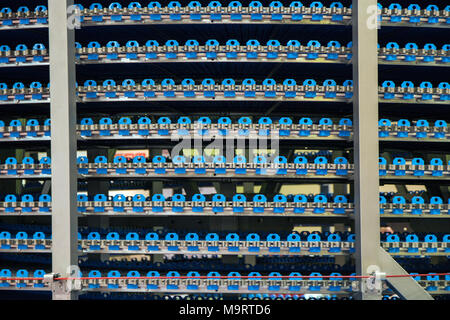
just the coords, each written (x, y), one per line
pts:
(261, 100)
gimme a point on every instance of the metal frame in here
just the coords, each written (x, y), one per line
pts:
(370, 257)
(63, 145)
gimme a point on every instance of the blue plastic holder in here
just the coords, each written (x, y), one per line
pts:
(341, 161)
(423, 124)
(47, 123)
(98, 6)
(104, 122)
(300, 198)
(274, 247)
(347, 123)
(27, 198)
(315, 16)
(7, 51)
(212, 238)
(168, 87)
(349, 84)
(254, 239)
(198, 198)
(43, 198)
(11, 161)
(99, 198)
(440, 124)
(4, 235)
(446, 47)
(260, 160)
(294, 237)
(330, 88)
(138, 200)
(86, 122)
(321, 161)
(325, 122)
(23, 21)
(219, 160)
(94, 274)
(133, 274)
(272, 51)
(174, 16)
(307, 122)
(237, 200)
(152, 236)
(158, 198)
(279, 161)
(120, 159)
(234, 276)
(240, 160)
(5, 273)
(349, 46)
(320, 199)
(179, 160)
(184, 121)
(108, 85)
(313, 237)
(437, 162)
(249, 88)
(133, 6)
(446, 239)
(253, 15)
(192, 237)
(415, 8)
(429, 47)
(408, 93)
(417, 201)
(296, 16)
(6, 22)
(294, 276)
(339, 199)
(411, 57)
(274, 276)
(14, 123)
(293, 45)
(388, 84)
(431, 238)
(194, 275)
(36, 85)
(336, 275)
(333, 44)
(285, 124)
(113, 236)
(195, 16)
(19, 86)
(400, 162)
(172, 237)
(132, 236)
(259, 199)
(101, 160)
(113, 284)
(81, 198)
(94, 236)
(443, 86)
(432, 19)
(38, 274)
(39, 236)
(289, 87)
(93, 56)
(233, 237)
(394, 46)
(22, 273)
(436, 201)
(337, 17)
(129, 85)
(316, 276)
(418, 162)
(177, 206)
(213, 276)
(218, 203)
(426, 85)
(154, 16)
(203, 121)
(188, 85)
(156, 160)
(91, 94)
(398, 200)
(382, 161)
(244, 121)
(132, 55)
(271, 93)
(395, 17)
(253, 285)
(301, 160)
(38, 47)
(154, 45)
(21, 48)
(412, 238)
(312, 53)
(393, 238)
(403, 126)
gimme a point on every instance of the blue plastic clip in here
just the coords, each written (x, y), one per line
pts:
(260, 160)
(396, 47)
(192, 237)
(411, 46)
(349, 46)
(285, 124)
(345, 122)
(11, 161)
(91, 84)
(403, 126)
(36, 85)
(218, 203)
(237, 200)
(124, 121)
(418, 162)
(43, 199)
(295, 247)
(382, 161)
(318, 199)
(321, 161)
(434, 8)
(129, 85)
(23, 21)
(177, 206)
(134, 6)
(118, 201)
(339, 199)
(334, 238)
(219, 161)
(21, 48)
(240, 160)
(349, 84)
(341, 161)
(330, 88)
(273, 237)
(113, 236)
(93, 56)
(436, 201)
(398, 200)
(293, 45)
(414, 8)
(302, 168)
(315, 238)
(315, 276)
(444, 86)
(276, 16)
(253, 15)
(431, 238)
(215, 16)
(253, 238)
(272, 45)
(113, 284)
(132, 44)
(138, 200)
(158, 198)
(86, 122)
(235, 16)
(426, 85)
(174, 16)
(39, 274)
(257, 199)
(98, 6)
(249, 88)
(396, 17)
(180, 161)
(296, 16)
(154, 16)
(19, 86)
(214, 276)
(274, 276)
(4, 235)
(270, 93)
(305, 122)
(233, 237)
(6, 22)
(429, 47)
(440, 124)
(94, 236)
(294, 276)
(393, 238)
(198, 198)
(212, 238)
(289, 87)
(39, 236)
(439, 171)
(300, 198)
(229, 90)
(416, 201)
(400, 162)
(21, 274)
(101, 160)
(27, 198)
(234, 276)
(172, 237)
(194, 275)
(154, 45)
(168, 87)
(132, 236)
(108, 85)
(152, 236)
(38, 47)
(412, 238)
(423, 124)
(279, 162)
(255, 277)
(337, 17)
(333, 44)
(446, 47)
(315, 16)
(99, 198)
(120, 159)
(388, 84)
(312, 47)
(244, 121)
(133, 274)
(326, 122)
(81, 198)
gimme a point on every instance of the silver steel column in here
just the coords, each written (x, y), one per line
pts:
(370, 256)
(63, 146)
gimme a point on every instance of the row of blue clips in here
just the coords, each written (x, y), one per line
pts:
(396, 16)
(21, 50)
(403, 127)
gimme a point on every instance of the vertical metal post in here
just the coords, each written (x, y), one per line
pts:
(366, 149)
(370, 256)
(63, 146)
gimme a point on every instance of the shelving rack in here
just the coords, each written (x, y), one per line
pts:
(134, 78)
